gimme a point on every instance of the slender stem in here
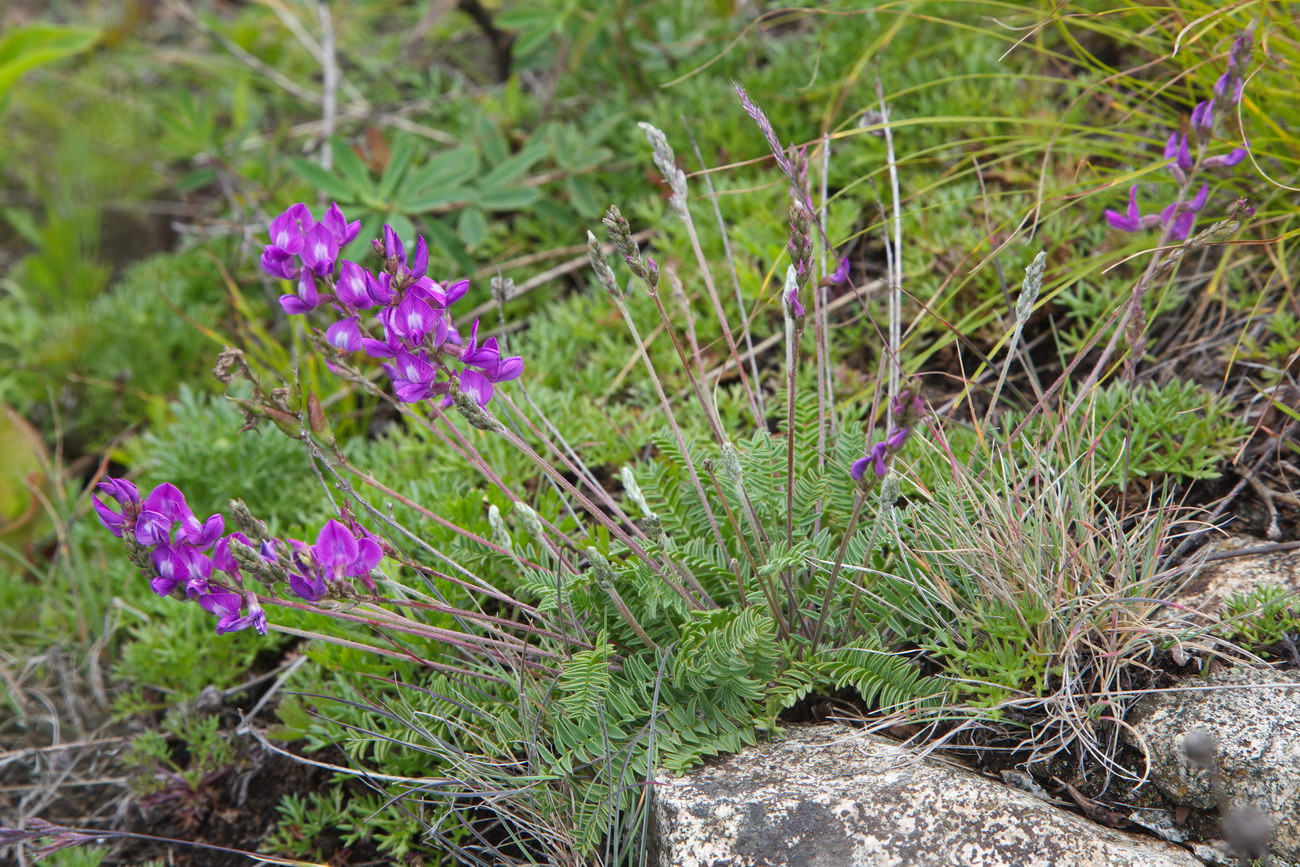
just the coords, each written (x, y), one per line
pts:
(614, 529)
(721, 313)
(793, 333)
(443, 608)
(731, 267)
(383, 651)
(672, 421)
(731, 516)
(858, 502)
(628, 617)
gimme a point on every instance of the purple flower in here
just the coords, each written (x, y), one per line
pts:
(381, 288)
(226, 607)
(290, 228)
(413, 379)
(413, 319)
(792, 303)
(897, 437)
(345, 335)
(476, 385)
(1180, 217)
(1226, 161)
(159, 512)
(319, 250)
(1203, 118)
(280, 263)
(173, 568)
(201, 535)
(386, 348)
(456, 291)
(180, 565)
(353, 287)
(874, 458)
(1176, 149)
(1132, 221)
(224, 560)
(342, 231)
(128, 498)
(487, 357)
(306, 300)
(841, 272)
(338, 553)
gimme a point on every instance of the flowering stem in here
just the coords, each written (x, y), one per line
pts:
(450, 637)
(793, 332)
(668, 411)
(383, 651)
(614, 528)
(731, 267)
(443, 608)
(724, 326)
(573, 464)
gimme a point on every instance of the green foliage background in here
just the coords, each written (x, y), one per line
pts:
(147, 150)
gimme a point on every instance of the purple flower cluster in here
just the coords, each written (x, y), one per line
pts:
(1179, 217)
(183, 551)
(188, 557)
(419, 336)
(908, 408)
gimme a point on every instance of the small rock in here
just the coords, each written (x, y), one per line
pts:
(1255, 726)
(1219, 579)
(829, 796)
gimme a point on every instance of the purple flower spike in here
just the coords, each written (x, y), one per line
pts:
(320, 250)
(345, 335)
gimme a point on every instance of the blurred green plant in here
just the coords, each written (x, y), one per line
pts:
(25, 48)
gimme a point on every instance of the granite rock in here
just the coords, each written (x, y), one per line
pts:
(1253, 717)
(829, 796)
